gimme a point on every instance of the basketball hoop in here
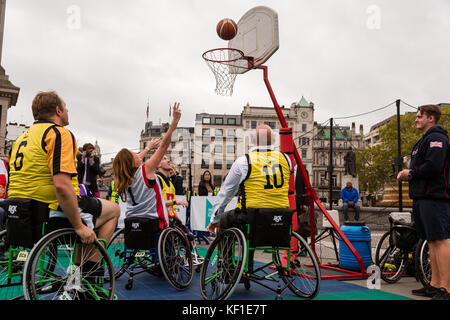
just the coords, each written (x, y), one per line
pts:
(226, 63)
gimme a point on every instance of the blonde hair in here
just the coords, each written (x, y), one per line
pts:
(124, 169)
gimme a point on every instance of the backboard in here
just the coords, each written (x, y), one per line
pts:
(257, 37)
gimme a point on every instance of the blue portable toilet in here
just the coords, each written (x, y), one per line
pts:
(360, 237)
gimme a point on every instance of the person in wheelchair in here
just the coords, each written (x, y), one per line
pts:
(136, 182)
(43, 175)
(261, 177)
(168, 190)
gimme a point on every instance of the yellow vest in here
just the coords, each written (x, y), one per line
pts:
(114, 193)
(168, 190)
(267, 181)
(42, 151)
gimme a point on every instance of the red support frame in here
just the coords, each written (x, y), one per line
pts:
(285, 145)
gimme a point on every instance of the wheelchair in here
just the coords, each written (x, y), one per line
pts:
(48, 260)
(229, 259)
(141, 246)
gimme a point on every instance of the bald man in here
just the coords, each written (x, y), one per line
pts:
(262, 176)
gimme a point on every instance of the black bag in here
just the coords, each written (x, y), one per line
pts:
(271, 227)
(404, 236)
(25, 221)
(141, 232)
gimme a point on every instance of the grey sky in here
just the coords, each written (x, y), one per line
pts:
(127, 51)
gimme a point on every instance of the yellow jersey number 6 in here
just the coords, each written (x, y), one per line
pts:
(19, 156)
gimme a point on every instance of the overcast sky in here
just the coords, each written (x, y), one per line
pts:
(347, 57)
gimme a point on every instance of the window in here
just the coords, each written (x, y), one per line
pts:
(271, 124)
(205, 164)
(218, 164)
(304, 153)
(205, 147)
(206, 120)
(322, 144)
(218, 120)
(218, 148)
(231, 121)
(345, 145)
(322, 179)
(205, 132)
(304, 127)
(183, 174)
(229, 164)
(230, 149)
(305, 141)
(254, 124)
(219, 132)
(231, 132)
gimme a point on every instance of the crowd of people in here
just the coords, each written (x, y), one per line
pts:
(46, 168)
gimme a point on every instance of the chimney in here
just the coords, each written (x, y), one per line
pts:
(353, 127)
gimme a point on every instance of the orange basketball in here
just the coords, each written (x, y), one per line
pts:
(227, 29)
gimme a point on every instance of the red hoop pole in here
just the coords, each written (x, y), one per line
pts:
(310, 190)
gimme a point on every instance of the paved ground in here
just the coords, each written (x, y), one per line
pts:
(326, 254)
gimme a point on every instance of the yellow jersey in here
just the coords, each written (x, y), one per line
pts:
(41, 152)
(267, 181)
(168, 191)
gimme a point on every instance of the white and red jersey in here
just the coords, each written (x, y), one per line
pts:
(4, 172)
(145, 199)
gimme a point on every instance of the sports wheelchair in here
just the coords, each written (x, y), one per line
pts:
(141, 246)
(229, 259)
(401, 252)
(41, 252)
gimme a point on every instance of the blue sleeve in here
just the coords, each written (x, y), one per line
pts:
(356, 196)
(344, 199)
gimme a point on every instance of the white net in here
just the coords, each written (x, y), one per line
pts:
(224, 64)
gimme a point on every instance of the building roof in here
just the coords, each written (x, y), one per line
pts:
(303, 102)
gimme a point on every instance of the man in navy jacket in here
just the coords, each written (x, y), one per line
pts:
(429, 184)
(350, 197)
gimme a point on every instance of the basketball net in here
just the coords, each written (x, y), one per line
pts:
(226, 63)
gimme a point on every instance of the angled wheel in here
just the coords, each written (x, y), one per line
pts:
(174, 253)
(223, 265)
(390, 259)
(422, 263)
(58, 269)
(116, 252)
(304, 277)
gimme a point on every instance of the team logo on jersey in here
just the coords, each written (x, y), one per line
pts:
(434, 144)
(12, 209)
(277, 218)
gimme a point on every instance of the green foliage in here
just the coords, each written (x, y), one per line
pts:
(374, 164)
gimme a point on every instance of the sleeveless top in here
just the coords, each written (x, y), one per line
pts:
(145, 199)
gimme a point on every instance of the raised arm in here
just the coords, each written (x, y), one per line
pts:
(152, 163)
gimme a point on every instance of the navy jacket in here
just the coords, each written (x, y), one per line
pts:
(430, 166)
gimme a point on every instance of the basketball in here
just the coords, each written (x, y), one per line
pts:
(226, 29)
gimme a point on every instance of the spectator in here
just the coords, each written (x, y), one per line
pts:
(177, 181)
(429, 187)
(112, 195)
(4, 172)
(206, 185)
(350, 197)
(88, 168)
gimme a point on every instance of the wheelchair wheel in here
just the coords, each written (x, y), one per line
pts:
(57, 269)
(304, 277)
(12, 261)
(174, 253)
(422, 262)
(116, 252)
(223, 265)
(390, 259)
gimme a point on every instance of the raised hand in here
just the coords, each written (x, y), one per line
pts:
(153, 144)
(176, 112)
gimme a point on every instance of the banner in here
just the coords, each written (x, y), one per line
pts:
(201, 211)
(181, 210)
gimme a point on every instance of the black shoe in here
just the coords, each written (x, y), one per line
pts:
(442, 294)
(425, 291)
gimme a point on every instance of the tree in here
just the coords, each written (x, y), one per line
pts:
(374, 164)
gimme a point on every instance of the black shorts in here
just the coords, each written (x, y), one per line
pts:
(91, 205)
(432, 219)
